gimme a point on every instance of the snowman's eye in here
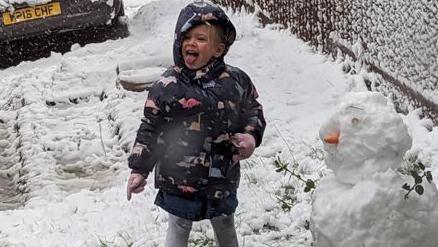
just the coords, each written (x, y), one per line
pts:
(355, 121)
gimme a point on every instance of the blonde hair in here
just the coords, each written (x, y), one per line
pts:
(216, 31)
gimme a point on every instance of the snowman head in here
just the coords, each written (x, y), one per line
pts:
(364, 136)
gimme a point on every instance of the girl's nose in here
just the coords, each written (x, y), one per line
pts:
(190, 41)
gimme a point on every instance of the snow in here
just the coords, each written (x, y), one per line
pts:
(66, 130)
(370, 141)
(139, 76)
(362, 202)
(399, 36)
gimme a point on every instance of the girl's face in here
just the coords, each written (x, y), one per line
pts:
(199, 45)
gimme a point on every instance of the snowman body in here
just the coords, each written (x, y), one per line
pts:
(362, 203)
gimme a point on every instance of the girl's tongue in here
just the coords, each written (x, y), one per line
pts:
(191, 59)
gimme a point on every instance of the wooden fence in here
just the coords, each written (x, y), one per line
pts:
(396, 39)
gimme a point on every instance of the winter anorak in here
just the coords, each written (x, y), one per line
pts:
(190, 117)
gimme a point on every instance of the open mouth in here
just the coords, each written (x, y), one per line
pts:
(191, 56)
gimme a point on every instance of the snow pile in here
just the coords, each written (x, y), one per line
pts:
(9, 176)
(362, 203)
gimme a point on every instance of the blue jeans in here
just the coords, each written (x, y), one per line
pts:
(178, 231)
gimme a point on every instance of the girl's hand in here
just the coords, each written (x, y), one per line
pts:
(136, 183)
(245, 144)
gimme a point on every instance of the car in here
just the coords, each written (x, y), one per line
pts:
(26, 24)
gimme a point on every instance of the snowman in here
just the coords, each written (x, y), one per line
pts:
(362, 203)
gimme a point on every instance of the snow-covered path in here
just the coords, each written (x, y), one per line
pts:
(66, 129)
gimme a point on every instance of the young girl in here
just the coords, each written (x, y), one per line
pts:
(200, 119)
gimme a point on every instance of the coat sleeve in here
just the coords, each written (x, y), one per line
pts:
(252, 111)
(144, 152)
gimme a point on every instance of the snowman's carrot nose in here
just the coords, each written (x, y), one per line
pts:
(332, 138)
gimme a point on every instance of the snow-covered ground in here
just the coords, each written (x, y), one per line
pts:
(66, 129)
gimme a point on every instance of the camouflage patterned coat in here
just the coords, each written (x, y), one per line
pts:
(190, 116)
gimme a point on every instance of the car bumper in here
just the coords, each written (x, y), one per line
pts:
(76, 15)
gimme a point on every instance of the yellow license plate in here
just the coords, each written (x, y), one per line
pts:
(32, 13)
